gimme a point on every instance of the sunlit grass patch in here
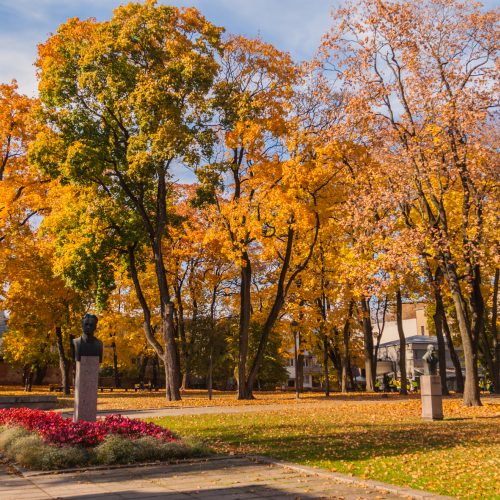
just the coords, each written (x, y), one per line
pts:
(386, 441)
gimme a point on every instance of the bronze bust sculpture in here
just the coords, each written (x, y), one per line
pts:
(430, 361)
(87, 344)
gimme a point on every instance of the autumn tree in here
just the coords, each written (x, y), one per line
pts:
(44, 313)
(421, 80)
(22, 188)
(264, 189)
(199, 273)
(20, 185)
(125, 99)
(40, 306)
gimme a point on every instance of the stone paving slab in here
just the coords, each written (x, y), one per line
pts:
(230, 478)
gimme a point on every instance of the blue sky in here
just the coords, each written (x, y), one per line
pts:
(292, 25)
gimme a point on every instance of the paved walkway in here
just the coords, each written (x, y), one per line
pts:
(212, 410)
(224, 479)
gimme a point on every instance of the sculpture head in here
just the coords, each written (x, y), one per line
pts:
(89, 324)
(430, 349)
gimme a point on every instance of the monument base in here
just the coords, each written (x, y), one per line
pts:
(432, 400)
(86, 386)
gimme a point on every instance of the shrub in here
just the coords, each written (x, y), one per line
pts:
(45, 440)
(9, 436)
(115, 450)
(57, 430)
(29, 450)
(118, 449)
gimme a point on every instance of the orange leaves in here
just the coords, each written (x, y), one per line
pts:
(17, 180)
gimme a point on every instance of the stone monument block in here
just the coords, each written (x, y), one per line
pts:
(432, 401)
(88, 354)
(86, 386)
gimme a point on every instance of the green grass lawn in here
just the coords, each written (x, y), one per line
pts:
(386, 441)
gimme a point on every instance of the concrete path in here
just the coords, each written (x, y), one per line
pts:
(209, 410)
(224, 479)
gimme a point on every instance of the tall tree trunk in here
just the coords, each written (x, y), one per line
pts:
(156, 228)
(169, 354)
(435, 281)
(64, 362)
(345, 368)
(295, 361)
(345, 365)
(211, 339)
(279, 299)
(438, 324)
(244, 391)
(154, 378)
(485, 349)
(494, 333)
(210, 372)
(28, 378)
(345, 355)
(40, 373)
(380, 328)
(142, 368)
(182, 335)
(480, 325)
(335, 355)
(368, 345)
(325, 366)
(354, 386)
(402, 343)
(116, 371)
(299, 365)
(454, 356)
(471, 387)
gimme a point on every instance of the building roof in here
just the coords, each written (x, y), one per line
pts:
(414, 339)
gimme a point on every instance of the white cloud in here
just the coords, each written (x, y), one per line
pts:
(292, 25)
(17, 57)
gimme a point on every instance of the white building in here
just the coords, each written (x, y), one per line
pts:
(414, 323)
(312, 371)
(416, 347)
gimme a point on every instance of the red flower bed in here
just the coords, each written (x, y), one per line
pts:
(58, 430)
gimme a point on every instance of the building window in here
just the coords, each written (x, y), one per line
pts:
(422, 330)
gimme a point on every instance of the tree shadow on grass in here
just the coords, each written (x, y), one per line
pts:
(374, 440)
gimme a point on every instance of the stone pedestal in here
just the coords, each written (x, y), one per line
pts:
(86, 387)
(432, 401)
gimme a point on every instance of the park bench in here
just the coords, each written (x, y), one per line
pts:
(106, 384)
(145, 387)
